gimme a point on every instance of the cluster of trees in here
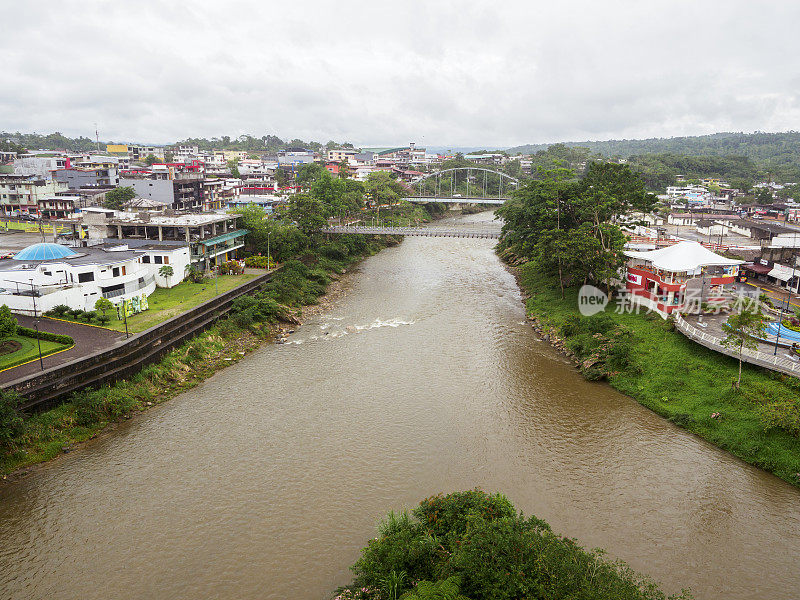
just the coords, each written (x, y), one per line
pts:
(265, 143)
(11, 146)
(773, 154)
(117, 198)
(52, 141)
(58, 141)
(565, 223)
(661, 170)
(473, 545)
(293, 230)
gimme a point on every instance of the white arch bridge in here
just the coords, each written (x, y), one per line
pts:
(463, 185)
(415, 231)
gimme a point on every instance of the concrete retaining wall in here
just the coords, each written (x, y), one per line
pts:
(127, 357)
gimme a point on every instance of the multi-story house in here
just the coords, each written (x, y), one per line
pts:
(179, 190)
(41, 165)
(20, 194)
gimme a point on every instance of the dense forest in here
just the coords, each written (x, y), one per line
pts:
(741, 155)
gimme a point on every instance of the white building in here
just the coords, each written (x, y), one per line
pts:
(43, 276)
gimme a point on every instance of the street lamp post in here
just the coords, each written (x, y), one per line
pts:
(125, 316)
(36, 325)
(785, 310)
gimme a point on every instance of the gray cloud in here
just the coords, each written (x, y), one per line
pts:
(444, 72)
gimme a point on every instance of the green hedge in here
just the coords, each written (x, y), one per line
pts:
(45, 335)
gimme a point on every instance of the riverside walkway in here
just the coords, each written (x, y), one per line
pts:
(754, 357)
(414, 231)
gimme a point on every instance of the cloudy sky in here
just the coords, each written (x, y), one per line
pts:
(379, 73)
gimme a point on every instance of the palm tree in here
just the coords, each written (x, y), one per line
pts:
(166, 272)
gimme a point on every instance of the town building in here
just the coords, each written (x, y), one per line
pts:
(58, 207)
(78, 177)
(340, 154)
(20, 194)
(43, 276)
(178, 190)
(295, 157)
(771, 234)
(678, 278)
(41, 165)
(213, 238)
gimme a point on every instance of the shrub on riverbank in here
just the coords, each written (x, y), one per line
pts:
(679, 379)
(478, 545)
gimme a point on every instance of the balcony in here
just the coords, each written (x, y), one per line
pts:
(131, 287)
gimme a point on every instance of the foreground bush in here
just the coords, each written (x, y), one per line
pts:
(475, 545)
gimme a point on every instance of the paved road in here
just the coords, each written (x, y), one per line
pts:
(87, 340)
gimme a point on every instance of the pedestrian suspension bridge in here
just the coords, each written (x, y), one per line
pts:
(415, 231)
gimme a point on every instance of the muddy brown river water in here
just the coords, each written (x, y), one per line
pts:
(265, 481)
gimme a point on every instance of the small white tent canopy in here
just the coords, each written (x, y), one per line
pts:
(683, 257)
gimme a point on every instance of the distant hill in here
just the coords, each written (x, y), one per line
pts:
(755, 146)
(777, 154)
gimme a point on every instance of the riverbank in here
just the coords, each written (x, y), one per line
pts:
(88, 414)
(644, 357)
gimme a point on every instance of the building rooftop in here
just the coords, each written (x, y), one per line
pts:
(682, 257)
(93, 255)
(43, 251)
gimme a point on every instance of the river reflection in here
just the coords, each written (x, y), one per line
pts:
(266, 480)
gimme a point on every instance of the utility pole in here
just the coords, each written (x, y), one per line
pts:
(268, 256)
(36, 324)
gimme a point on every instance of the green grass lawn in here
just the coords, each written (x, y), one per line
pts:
(166, 303)
(29, 351)
(685, 382)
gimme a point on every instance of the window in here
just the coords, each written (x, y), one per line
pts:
(84, 277)
(145, 259)
(166, 260)
(157, 260)
(115, 272)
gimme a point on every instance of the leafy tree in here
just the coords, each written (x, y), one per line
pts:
(118, 197)
(741, 184)
(383, 188)
(282, 177)
(740, 331)
(309, 173)
(476, 544)
(764, 196)
(307, 212)
(150, 159)
(103, 305)
(168, 156)
(166, 271)
(567, 224)
(233, 167)
(8, 322)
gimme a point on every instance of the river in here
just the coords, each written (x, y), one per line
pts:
(264, 481)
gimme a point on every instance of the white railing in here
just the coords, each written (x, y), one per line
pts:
(755, 357)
